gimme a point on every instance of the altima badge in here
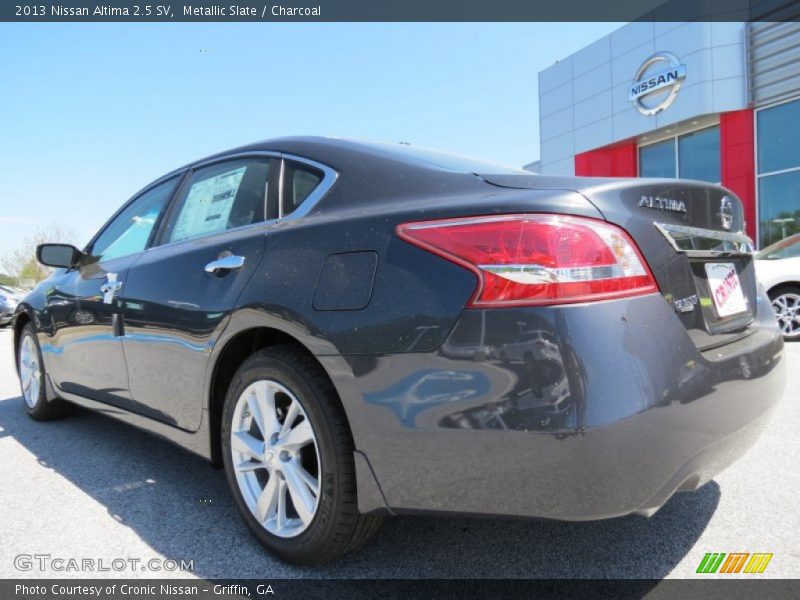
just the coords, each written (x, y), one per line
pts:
(678, 206)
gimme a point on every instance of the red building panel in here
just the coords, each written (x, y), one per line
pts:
(611, 161)
(737, 144)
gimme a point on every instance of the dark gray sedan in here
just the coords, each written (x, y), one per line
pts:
(357, 329)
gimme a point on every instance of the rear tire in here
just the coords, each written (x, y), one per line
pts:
(296, 490)
(32, 380)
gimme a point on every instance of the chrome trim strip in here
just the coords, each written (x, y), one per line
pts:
(281, 175)
(743, 243)
(329, 177)
(533, 274)
(202, 239)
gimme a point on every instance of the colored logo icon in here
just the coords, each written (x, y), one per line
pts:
(735, 562)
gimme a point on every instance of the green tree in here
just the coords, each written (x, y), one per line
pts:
(21, 264)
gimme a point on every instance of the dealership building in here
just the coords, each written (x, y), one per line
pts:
(718, 102)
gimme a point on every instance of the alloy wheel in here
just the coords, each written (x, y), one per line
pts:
(787, 311)
(30, 375)
(275, 458)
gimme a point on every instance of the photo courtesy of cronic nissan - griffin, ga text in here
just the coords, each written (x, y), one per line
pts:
(360, 329)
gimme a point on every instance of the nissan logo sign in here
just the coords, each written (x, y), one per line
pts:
(656, 83)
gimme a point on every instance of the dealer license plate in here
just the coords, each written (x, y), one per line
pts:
(726, 289)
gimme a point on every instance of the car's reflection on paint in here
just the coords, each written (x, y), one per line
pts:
(429, 388)
(521, 385)
(541, 399)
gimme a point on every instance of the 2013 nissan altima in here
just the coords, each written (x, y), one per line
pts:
(363, 329)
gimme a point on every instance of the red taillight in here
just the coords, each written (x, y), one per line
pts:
(537, 259)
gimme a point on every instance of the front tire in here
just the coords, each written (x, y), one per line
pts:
(288, 457)
(786, 306)
(32, 379)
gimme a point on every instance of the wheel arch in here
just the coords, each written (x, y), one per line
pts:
(20, 320)
(781, 285)
(234, 351)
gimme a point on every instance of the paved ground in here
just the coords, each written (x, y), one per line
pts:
(89, 487)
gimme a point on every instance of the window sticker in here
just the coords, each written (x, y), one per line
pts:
(208, 205)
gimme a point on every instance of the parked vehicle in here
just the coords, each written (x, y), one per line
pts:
(778, 270)
(9, 298)
(14, 291)
(362, 329)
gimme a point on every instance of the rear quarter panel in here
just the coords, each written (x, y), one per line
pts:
(416, 296)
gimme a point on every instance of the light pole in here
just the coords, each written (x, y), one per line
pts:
(783, 223)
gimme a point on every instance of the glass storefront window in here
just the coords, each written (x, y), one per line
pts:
(657, 160)
(778, 149)
(699, 155)
(778, 206)
(779, 137)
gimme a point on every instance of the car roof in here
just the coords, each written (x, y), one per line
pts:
(371, 172)
(340, 153)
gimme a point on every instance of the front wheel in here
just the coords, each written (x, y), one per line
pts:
(288, 458)
(32, 379)
(786, 305)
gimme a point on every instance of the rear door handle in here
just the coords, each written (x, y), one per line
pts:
(225, 263)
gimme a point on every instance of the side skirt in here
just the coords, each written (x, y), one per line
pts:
(197, 442)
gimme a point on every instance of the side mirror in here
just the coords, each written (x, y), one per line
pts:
(57, 255)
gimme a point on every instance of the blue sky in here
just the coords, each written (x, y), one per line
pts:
(90, 113)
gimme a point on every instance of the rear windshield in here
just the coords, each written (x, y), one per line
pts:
(443, 160)
(786, 248)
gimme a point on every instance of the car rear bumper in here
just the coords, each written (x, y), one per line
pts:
(574, 412)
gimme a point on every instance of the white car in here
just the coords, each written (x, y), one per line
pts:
(778, 270)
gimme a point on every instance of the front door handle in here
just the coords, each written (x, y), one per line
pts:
(111, 287)
(225, 263)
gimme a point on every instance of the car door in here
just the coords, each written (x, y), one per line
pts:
(85, 354)
(178, 294)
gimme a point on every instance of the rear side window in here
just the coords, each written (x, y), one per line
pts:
(130, 230)
(299, 181)
(220, 197)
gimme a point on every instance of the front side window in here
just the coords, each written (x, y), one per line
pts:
(299, 181)
(130, 230)
(220, 197)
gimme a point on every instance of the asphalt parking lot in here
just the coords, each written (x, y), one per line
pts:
(90, 487)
